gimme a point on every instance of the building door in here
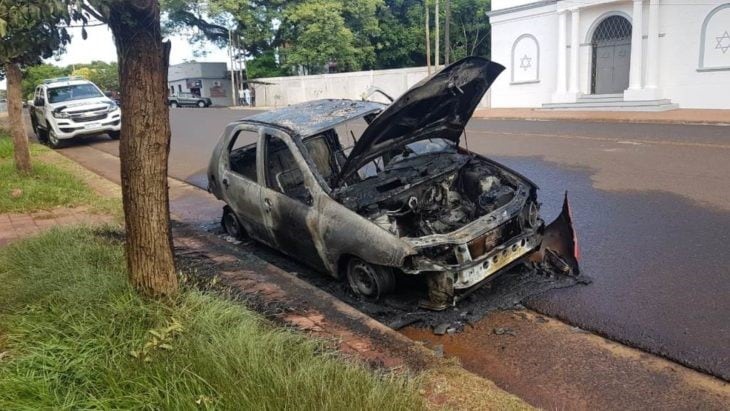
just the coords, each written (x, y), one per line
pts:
(611, 45)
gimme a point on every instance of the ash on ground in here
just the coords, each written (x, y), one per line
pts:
(398, 310)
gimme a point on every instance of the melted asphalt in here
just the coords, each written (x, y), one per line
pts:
(650, 205)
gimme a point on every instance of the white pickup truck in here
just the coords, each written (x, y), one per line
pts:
(68, 107)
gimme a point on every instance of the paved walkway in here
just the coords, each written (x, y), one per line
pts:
(679, 116)
(14, 226)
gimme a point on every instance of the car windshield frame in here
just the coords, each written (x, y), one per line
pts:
(53, 98)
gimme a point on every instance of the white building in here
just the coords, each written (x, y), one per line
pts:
(202, 79)
(608, 54)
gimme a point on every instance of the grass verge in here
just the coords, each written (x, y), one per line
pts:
(49, 186)
(74, 335)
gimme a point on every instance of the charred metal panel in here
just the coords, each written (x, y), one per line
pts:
(306, 119)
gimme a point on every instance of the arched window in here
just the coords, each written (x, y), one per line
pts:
(525, 60)
(715, 40)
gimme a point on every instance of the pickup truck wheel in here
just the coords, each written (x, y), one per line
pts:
(53, 141)
(231, 225)
(368, 280)
(174, 104)
(114, 135)
(39, 132)
(201, 104)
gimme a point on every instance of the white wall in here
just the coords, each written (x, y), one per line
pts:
(680, 55)
(282, 91)
(540, 23)
(680, 42)
(503, 4)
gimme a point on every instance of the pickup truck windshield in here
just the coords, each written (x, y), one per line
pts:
(74, 92)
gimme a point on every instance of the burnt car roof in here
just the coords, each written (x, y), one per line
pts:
(313, 116)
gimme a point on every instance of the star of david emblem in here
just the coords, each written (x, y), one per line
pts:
(723, 42)
(525, 62)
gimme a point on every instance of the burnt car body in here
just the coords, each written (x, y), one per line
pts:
(404, 199)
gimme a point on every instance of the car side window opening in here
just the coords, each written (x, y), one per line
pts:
(282, 171)
(349, 133)
(325, 153)
(242, 154)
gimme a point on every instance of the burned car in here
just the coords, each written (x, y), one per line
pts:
(403, 198)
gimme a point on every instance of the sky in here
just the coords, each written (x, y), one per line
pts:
(100, 46)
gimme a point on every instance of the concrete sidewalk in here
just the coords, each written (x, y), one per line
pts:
(679, 116)
(16, 226)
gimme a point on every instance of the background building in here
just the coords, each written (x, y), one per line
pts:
(608, 54)
(203, 79)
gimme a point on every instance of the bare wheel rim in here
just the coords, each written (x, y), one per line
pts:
(231, 225)
(363, 279)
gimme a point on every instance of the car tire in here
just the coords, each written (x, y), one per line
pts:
(231, 225)
(370, 281)
(114, 135)
(39, 132)
(53, 141)
(174, 104)
(201, 104)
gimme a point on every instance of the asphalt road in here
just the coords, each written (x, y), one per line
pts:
(651, 205)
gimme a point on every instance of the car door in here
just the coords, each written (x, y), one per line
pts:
(190, 100)
(239, 181)
(39, 107)
(287, 196)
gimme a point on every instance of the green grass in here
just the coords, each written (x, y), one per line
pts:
(6, 146)
(69, 324)
(47, 187)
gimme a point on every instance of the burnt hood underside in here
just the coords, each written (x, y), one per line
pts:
(438, 106)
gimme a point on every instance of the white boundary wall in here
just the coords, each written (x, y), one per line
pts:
(283, 91)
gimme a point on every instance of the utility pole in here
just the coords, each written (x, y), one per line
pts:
(233, 78)
(428, 37)
(438, 38)
(447, 31)
(239, 66)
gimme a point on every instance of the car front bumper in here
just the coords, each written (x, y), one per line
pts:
(66, 128)
(471, 271)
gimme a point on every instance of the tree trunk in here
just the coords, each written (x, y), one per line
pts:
(428, 37)
(21, 149)
(144, 145)
(447, 32)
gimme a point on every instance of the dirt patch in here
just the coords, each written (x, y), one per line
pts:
(556, 366)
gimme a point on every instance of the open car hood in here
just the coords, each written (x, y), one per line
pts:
(438, 106)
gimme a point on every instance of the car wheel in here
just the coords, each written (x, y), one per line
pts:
(368, 280)
(231, 225)
(114, 135)
(35, 128)
(174, 104)
(201, 104)
(53, 141)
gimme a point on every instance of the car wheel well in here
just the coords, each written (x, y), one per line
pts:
(342, 264)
